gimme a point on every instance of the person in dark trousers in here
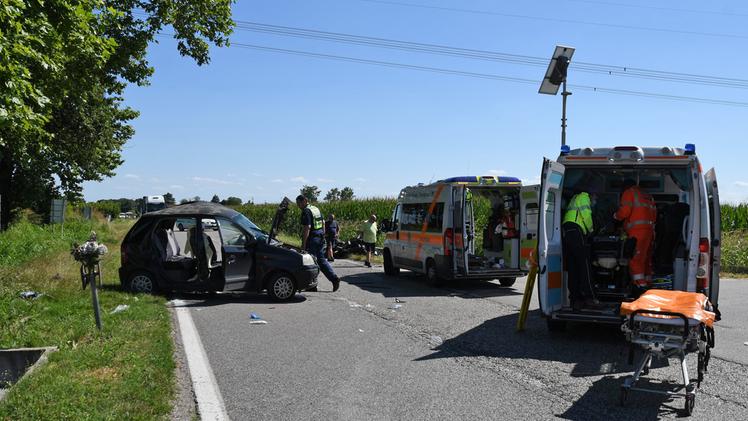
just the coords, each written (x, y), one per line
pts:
(331, 235)
(313, 238)
(576, 227)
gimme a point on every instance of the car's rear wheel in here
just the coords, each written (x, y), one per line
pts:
(389, 266)
(142, 283)
(281, 287)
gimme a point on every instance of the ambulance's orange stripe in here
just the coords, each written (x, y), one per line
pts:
(425, 225)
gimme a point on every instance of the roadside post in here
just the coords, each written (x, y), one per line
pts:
(57, 213)
(529, 287)
(89, 255)
(555, 76)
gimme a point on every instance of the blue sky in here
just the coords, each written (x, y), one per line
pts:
(258, 125)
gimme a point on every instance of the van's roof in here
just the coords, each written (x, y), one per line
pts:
(617, 155)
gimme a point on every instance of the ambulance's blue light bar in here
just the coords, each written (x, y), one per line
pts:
(565, 149)
(690, 149)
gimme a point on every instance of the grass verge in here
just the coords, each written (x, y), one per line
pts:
(124, 372)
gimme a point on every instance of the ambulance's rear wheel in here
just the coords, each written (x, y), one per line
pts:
(432, 276)
(507, 282)
(389, 266)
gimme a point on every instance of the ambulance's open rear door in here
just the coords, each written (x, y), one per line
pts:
(716, 241)
(528, 228)
(460, 232)
(550, 268)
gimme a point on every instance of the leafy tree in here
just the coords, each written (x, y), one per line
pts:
(332, 195)
(195, 199)
(311, 192)
(64, 66)
(232, 201)
(169, 199)
(215, 199)
(346, 193)
(183, 201)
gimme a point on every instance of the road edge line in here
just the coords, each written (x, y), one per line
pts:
(207, 394)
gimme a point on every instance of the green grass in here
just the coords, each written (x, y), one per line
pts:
(124, 372)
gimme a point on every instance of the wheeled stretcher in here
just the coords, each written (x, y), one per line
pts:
(667, 324)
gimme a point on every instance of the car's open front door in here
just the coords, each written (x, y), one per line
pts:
(716, 229)
(550, 267)
(459, 252)
(528, 228)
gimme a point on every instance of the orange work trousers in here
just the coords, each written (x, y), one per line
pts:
(640, 266)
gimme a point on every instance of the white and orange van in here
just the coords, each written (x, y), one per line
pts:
(434, 229)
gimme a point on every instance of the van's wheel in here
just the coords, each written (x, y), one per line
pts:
(556, 325)
(389, 266)
(507, 282)
(142, 282)
(432, 276)
(281, 287)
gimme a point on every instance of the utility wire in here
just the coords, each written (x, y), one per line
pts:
(667, 9)
(561, 20)
(488, 76)
(489, 55)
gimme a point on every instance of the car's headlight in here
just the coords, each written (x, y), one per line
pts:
(307, 259)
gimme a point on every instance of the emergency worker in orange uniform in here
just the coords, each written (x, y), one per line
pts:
(638, 213)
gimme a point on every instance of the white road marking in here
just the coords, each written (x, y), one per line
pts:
(209, 400)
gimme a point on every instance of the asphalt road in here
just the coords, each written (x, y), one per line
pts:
(445, 353)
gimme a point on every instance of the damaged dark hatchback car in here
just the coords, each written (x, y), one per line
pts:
(221, 250)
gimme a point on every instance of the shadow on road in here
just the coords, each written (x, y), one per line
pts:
(410, 284)
(593, 350)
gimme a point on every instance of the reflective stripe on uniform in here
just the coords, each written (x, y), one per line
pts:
(635, 223)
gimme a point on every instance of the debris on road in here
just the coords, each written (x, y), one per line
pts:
(436, 340)
(394, 306)
(120, 308)
(255, 319)
(361, 330)
(397, 300)
(369, 306)
(32, 295)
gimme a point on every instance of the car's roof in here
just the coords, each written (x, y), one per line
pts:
(195, 208)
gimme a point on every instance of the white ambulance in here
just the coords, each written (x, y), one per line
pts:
(686, 254)
(473, 227)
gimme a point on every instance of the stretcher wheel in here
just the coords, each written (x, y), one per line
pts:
(624, 395)
(690, 403)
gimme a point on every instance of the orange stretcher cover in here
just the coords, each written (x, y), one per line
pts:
(690, 304)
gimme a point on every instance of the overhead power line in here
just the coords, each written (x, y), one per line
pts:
(663, 8)
(487, 75)
(560, 20)
(469, 53)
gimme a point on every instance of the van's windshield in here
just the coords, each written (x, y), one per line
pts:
(248, 225)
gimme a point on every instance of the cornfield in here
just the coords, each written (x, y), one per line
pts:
(735, 217)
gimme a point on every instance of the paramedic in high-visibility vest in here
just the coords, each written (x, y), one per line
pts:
(313, 238)
(575, 229)
(638, 213)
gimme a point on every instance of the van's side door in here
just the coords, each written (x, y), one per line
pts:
(238, 258)
(459, 252)
(715, 224)
(528, 228)
(550, 267)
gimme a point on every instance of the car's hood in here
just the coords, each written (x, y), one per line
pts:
(280, 216)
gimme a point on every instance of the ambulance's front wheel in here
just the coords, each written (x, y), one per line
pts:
(507, 282)
(389, 266)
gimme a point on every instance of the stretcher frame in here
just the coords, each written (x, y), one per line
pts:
(642, 332)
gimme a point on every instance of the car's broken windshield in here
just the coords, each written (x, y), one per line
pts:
(253, 229)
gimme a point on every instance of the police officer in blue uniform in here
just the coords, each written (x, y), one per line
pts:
(313, 238)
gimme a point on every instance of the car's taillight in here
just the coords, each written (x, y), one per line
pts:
(449, 240)
(702, 273)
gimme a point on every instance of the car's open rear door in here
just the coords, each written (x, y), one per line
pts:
(716, 241)
(550, 267)
(528, 228)
(459, 251)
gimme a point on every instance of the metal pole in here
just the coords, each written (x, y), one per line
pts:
(564, 94)
(94, 296)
